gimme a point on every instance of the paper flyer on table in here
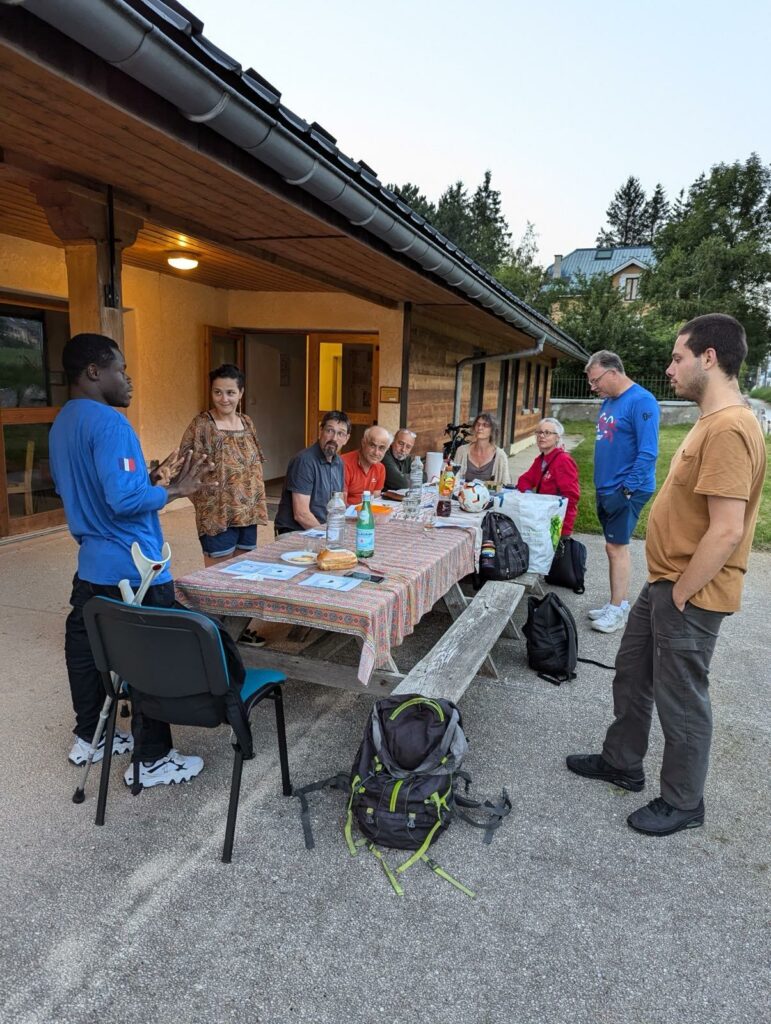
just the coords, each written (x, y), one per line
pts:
(314, 532)
(248, 569)
(322, 581)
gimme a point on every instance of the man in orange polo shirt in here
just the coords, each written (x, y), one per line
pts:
(364, 469)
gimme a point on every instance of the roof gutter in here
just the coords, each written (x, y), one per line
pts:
(116, 31)
(476, 360)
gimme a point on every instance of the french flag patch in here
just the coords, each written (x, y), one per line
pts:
(128, 465)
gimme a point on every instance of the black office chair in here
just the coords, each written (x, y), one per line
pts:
(174, 663)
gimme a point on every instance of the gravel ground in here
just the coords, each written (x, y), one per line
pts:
(577, 920)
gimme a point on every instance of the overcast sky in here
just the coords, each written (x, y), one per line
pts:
(562, 101)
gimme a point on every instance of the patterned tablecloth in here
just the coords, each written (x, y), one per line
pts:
(420, 565)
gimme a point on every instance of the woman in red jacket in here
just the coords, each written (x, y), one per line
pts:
(553, 471)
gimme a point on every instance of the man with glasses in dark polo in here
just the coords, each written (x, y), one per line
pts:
(625, 452)
(313, 476)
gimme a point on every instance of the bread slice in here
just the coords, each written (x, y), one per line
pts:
(337, 558)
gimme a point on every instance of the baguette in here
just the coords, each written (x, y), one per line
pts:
(329, 561)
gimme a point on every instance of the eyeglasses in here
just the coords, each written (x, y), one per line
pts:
(544, 433)
(331, 432)
(594, 381)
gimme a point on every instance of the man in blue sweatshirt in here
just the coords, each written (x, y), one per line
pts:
(110, 501)
(625, 453)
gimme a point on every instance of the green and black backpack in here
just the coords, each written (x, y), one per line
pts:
(402, 787)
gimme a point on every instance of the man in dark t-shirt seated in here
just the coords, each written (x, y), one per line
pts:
(313, 476)
(398, 460)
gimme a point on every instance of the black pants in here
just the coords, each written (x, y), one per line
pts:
(152, 739)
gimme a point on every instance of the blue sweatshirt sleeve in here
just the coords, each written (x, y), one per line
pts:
(642, 475)
(121, 469)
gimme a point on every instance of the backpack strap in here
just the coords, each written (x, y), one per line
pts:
(448, 877)
(599, 664)
(497, 812)
(339, 781)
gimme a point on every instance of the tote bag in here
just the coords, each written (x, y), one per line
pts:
(539, 519)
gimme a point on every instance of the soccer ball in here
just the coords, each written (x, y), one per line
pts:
(473, 496)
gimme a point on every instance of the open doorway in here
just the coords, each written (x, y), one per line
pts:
(275, 396)
(293, 378)
(342, 374)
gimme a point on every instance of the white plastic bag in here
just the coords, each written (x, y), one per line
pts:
(539, 518)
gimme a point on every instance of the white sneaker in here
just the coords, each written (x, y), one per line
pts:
(174, 767)
(613, 619)
(122, 743)
(597, 613)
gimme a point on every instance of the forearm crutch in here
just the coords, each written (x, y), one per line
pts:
(148, 572)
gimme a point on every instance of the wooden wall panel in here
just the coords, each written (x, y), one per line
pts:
(435, 350)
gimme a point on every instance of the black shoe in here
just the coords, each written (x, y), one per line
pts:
(658, 818)
(253, 639)
(594, 766)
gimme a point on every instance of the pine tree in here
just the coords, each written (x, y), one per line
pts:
(625, 217)
(655, 214)
(453, 216)
(491, 238)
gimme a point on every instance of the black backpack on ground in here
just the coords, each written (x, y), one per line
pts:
(552, 640)
(569, 566)
(402, 784)
(504, 555)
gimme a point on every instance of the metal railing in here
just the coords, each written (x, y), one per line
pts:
(577, 387)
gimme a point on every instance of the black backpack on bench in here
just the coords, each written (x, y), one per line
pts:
(504, 555)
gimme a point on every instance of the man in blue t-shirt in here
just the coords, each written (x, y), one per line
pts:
(110, 501)
(625, 453)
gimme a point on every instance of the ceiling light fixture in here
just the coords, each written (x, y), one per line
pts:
(182, 260)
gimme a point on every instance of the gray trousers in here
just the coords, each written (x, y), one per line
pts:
(664, 660)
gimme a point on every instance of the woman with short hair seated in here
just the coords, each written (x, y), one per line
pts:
(482, 459)
(553, 471)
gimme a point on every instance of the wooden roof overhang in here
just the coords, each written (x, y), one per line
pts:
(67, 113)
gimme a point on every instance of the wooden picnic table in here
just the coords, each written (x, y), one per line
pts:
(421, 566)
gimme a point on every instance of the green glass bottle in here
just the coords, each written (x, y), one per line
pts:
(365, 529)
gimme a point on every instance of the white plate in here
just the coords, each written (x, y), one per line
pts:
(303, 557)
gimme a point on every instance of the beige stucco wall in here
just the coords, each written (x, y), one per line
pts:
(633, 270)
(32, 267)
(163, 333)
(327, 311)
(164, 320)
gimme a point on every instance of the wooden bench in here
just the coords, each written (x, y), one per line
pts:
(452, 663)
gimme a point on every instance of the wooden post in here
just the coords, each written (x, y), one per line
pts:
(79, 218)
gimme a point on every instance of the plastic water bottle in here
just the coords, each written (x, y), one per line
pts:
(365, 529)
(415, 493)
(335, 520)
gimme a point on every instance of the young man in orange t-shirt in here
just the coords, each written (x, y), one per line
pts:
(699, 536)
(364, 469)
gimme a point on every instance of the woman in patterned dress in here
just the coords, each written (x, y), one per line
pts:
(227, 516)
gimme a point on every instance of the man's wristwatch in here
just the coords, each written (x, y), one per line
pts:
(626, 492)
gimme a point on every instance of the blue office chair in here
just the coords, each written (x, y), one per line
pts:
(174, 663)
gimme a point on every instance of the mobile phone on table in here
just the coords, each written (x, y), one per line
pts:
(368, 577)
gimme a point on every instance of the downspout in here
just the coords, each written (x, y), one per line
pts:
(475, 360)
